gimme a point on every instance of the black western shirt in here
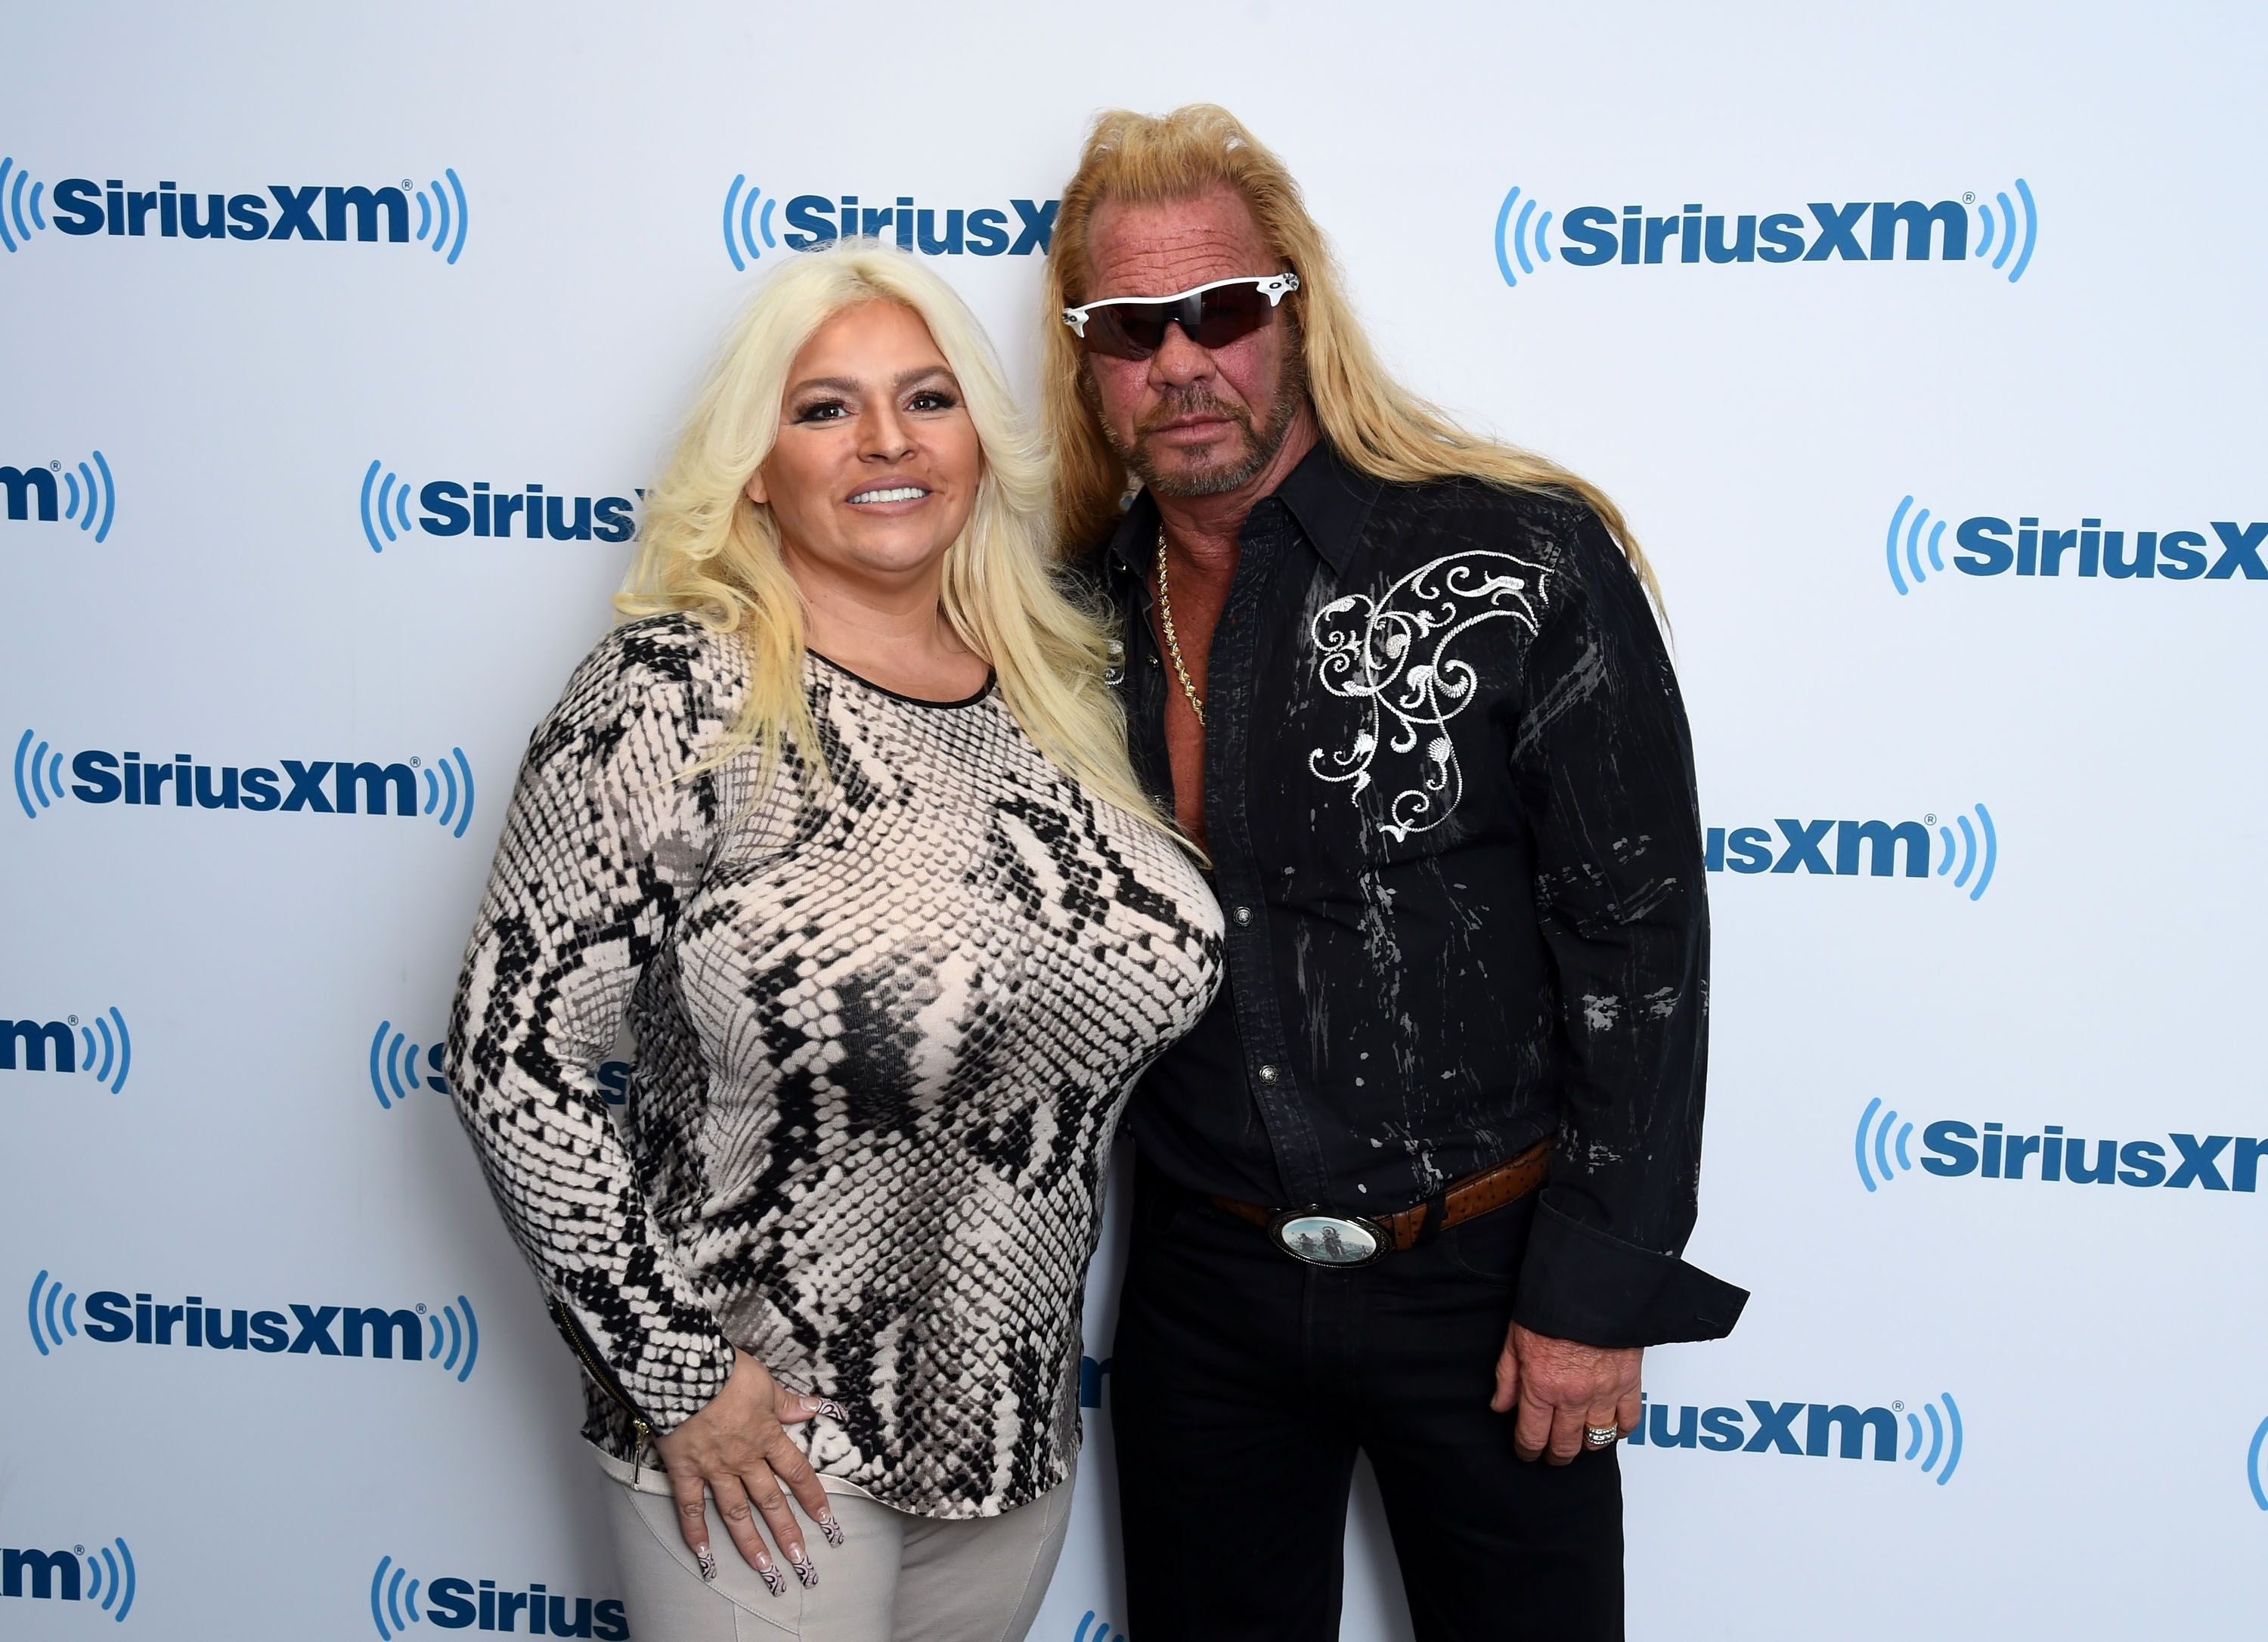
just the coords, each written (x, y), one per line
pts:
(1449, 797)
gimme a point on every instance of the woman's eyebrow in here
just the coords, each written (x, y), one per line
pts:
(845, 385)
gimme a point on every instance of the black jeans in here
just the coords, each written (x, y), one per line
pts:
(1243, 1383)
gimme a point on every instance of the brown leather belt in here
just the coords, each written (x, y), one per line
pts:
(1323, 1239)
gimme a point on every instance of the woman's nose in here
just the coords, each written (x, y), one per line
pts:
(885, 435)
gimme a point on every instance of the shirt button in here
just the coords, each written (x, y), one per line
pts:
(1243, 915)
(1266, 1074)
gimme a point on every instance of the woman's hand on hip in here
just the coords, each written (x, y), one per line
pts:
(738, 1449)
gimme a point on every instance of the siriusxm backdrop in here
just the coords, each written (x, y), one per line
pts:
(1924, 347)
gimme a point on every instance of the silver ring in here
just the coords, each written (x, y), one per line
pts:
(1602, 1436)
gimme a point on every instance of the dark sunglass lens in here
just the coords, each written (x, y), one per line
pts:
(1135, 330)
(1229, 313)
(1127, 330)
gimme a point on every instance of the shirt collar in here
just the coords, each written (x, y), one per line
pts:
(1331, 501)
(1328, 499)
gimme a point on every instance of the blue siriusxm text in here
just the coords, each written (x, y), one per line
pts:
(1933, 1437)
(2004, 229)
(1987, 544)
(435, 217)
(108, 1578)
(1025, 227)
(319, 786)
(454, 1602)
(101, 1048)
(83, 494)
(752, 224)
(451, 507)
(1954, 1148)
(448, 1337)
(1965, 852)
(1092, 1373)
(442, 791)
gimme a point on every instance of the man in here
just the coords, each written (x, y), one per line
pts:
(1405, 687)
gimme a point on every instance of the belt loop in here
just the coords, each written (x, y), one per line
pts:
(1437, 1210)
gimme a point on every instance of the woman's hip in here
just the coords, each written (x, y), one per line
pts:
(894, 1578)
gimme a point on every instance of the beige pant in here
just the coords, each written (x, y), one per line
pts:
(894, 1578)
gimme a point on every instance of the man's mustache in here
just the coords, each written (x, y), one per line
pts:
(1197, 402)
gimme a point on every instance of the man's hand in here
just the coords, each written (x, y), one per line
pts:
(1561, 1386)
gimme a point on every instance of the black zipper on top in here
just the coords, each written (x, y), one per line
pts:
(603, 1377)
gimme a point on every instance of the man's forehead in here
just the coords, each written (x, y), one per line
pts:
(1155, 250)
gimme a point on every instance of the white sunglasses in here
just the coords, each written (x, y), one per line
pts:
(1211, 315)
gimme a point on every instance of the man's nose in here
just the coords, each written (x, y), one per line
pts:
(1178, 361)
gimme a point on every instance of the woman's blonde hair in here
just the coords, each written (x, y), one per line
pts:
(706, 549)
(1378, 426)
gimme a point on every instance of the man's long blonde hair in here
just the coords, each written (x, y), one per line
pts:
(707, 550)
(1377, 425)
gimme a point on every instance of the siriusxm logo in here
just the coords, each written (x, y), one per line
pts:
(1989, 546)
(1874, 849)
(1020, 228)
(394, 1063)
(458, 1604)
(1954, 1150)
(2252, 1464)
(87, 497)
(1091, 1629)
(1834, 1430)
(395, 1075)
(55, 1576)
(1858, 230)
(82, 207)
(320, 786)
(450, 509)
(104, 1052)
(450, 1337)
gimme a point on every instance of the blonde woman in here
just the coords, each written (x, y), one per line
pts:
(840, 822)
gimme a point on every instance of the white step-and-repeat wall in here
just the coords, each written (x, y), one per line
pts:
(1924, 346)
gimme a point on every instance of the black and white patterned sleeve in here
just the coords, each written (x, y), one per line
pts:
(603, 843)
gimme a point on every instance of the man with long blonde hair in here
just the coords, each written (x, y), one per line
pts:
(1406, 686)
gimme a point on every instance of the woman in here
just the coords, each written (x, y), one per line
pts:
(842, 825)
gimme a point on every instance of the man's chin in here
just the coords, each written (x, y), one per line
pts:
(1210, 475)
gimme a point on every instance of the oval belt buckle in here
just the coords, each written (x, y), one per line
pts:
(1317, 1239)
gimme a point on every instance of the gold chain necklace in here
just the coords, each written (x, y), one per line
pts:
(1172, 643)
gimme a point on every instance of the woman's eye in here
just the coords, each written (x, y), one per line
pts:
(933, 399)
(821, 410)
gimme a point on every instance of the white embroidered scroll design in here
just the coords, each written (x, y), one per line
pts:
(1392, 654)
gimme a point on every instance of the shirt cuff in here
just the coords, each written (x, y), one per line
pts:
(1577, 1282)
(666, 1399)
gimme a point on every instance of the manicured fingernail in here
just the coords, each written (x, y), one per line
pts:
(829, 1526)
(805, 1571)
(830, 1407)
(707, 1563)
(774, 1581)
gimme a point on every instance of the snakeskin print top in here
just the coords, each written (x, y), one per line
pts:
(885, 1027)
